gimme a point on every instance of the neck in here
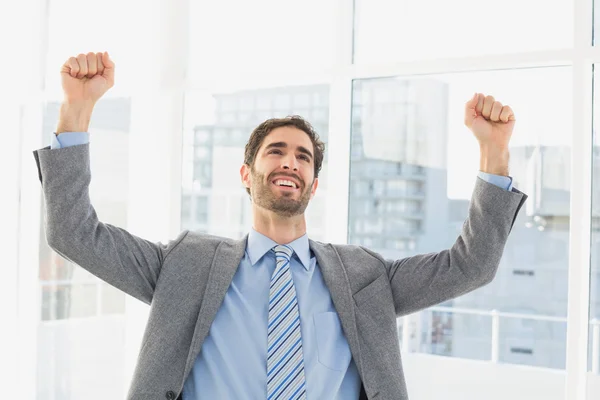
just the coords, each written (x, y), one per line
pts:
(280, 229)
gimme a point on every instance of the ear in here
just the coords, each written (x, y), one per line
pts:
(245, 176)
(313, 189)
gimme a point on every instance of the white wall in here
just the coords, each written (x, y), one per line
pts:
(593, 384)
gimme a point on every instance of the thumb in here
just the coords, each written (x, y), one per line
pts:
(109, 67)
(470, 110)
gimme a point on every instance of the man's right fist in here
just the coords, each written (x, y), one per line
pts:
(86, 78)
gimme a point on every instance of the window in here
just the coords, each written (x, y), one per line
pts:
(390, 30)
(519, 350)
(81, 328)
(73, 302)
(409, 171)
(523, 272)
(233, 38)
(448, 161)
(211, 184)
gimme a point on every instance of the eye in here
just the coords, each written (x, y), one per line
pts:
(304, 157)
(275, 151)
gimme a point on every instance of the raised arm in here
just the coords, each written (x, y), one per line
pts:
(73, 230)
(424, 280)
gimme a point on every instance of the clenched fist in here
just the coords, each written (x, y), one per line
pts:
(491, 122)
(87, 77)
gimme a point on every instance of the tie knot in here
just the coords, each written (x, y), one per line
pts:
(283, 250)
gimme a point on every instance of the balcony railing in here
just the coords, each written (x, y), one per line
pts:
(495, 316)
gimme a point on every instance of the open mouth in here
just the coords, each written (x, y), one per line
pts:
(285, 184)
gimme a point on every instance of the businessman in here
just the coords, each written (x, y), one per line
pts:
(274, 315)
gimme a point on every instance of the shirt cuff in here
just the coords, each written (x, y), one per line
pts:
(504, 182)
(68, 139)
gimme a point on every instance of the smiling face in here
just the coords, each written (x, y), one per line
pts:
(281, 178)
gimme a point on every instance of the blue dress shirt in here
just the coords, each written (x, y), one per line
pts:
(232, 362)
(233, 359)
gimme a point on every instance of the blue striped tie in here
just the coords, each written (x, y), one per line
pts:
(285, 360)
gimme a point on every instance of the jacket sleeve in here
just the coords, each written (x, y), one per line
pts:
(73, 230)
(424, 280)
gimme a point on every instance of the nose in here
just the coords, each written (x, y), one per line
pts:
(290, 162)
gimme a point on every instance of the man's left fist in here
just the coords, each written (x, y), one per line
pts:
(490, 121)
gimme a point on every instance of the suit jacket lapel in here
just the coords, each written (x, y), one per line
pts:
(225, 263)
(336, 280)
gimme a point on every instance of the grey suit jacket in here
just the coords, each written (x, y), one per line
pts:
(185, 280)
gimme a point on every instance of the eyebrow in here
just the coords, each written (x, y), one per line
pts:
(284, 145)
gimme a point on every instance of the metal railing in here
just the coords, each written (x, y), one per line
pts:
(495, 316)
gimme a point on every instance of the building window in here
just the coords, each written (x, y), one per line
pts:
(521, 350)
(523, 272)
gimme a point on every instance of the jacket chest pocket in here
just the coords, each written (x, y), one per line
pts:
(332, 347)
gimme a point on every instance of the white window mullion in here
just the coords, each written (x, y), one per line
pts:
(340, 111)
(580, 221)
(579, 238)
(464, 64)
(534, 59)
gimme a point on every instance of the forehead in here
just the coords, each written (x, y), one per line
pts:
(293, 136)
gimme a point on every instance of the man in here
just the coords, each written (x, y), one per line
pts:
(274, 315)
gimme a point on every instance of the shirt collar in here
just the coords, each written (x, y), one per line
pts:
(258, 245)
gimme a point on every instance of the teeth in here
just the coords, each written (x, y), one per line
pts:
(283, 182)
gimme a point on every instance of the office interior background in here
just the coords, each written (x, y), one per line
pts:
(384, 82)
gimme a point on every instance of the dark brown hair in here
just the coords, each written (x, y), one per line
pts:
(261, 131)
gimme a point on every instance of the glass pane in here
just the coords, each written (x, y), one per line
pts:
(414, 166)
(112, 300)
(213, 197)
(443, 331)
(68, 16)
(230, 37)
(66, 347)
(530, 342)
(594, 331)
(403, 30)
(69, 301)
(79, 350)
